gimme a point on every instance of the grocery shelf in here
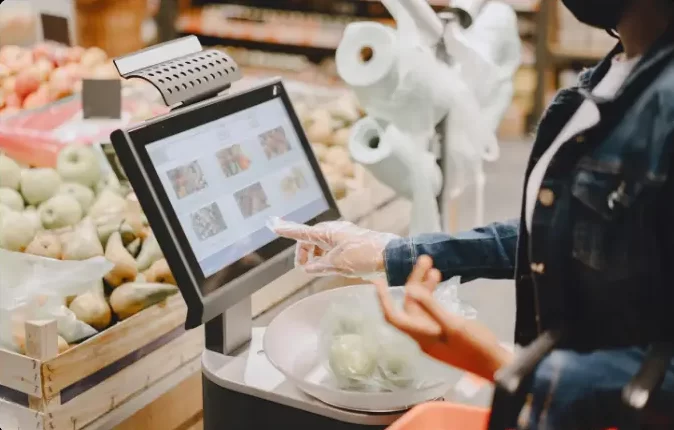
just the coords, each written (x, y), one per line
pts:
(562, 53)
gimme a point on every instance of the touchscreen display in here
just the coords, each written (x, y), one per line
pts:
(226, 178)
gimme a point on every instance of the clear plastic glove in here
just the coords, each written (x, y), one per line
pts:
(336, 248)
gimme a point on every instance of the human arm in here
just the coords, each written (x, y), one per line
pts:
(484, 252)
(342, 248)
(459, 342)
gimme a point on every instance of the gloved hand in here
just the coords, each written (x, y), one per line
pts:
(336, 248)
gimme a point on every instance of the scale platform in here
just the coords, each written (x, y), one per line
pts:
(247, 392)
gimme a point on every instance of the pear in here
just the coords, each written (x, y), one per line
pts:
(134, 247)
(125, 265)
(40, 184)
(320, 129)
(79, 163)
(82, 242)
(160, 272)
(108, 207)
(10, 173)
(62, 210)
(11, 198)
(129, 299)
(45, 244)
(92, 308)
(84, 195)
(16, 231)
(149, 253)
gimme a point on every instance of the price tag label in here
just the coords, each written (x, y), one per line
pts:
(56, 20)
(102, 98)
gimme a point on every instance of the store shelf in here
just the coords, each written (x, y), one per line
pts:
(522, 6)
(310, 34)
(567, 54)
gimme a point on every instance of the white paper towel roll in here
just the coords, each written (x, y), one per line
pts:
(367, 58)
(395, 160)
(394, 78)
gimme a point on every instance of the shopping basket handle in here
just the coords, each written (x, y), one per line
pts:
(649, 377)
(510, 377)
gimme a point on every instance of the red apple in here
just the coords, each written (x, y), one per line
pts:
(9, 53)
(8, 85)
(26, 83)
(74, 54)
(37, 99)
(12, 101)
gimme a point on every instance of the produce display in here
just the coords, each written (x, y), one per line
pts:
(327, 124)
(34, 77)
(75, 212)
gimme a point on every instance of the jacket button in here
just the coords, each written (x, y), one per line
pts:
(538, 268)
(546, 197)
(580, 138)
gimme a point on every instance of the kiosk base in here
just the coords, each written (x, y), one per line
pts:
(247, 392)
(227, 409)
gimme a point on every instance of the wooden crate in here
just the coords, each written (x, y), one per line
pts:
(110, 377)
(44, 390)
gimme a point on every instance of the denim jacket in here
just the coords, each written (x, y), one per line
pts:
(599, 258)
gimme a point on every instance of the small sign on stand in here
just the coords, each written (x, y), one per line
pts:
(56, 20)
(102, 98)
(55, 29)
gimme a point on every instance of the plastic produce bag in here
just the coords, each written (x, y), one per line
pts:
(33, 287)
(364, 353)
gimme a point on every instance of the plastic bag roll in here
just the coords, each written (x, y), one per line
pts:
(396, 160)
(384, 154)
(366, 57)
(394, 77)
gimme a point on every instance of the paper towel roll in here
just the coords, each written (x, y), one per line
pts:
(395, 159)
(389, 155)
(367, 56)
(394, 78)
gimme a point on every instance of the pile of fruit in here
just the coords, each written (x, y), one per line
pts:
(328, 128)
(33, 77)
(75, 212)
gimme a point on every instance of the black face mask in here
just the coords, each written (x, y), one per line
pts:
(604, 14)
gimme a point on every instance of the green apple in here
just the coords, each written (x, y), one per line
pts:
(84, 195)
(11, 198)
(16, 231)
(79, 163)
(62, 210)
(40, 184)
(10, 173)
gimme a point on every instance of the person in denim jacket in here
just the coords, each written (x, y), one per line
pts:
(593, 249)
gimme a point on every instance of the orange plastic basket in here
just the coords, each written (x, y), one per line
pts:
(443, 416)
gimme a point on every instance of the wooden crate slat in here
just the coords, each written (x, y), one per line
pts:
(112, 344)
(20, 373)
(119, 388)
(23, 418)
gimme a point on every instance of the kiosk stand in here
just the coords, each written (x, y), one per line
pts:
(208, 176)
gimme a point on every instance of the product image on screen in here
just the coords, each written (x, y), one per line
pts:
(293, 182)
(187, 179)
(232, 160)
(208, 221)
(226, 178)
(251, 200)
(274, 142)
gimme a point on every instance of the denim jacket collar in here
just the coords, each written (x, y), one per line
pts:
(642, 73)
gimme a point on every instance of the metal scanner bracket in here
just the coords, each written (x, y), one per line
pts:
(181, 70)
